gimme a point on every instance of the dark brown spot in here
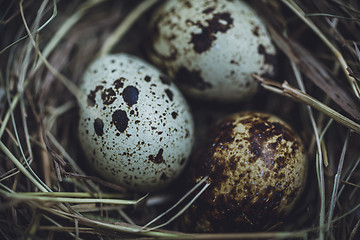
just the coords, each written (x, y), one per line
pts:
(120, 120)
(191, 79)
(158, 158)
(119, 83)
(220, 22)
(174, 115)
(147, 78)
(234, 62)
(208, 10)
(202, 41)
(99, 127)
(130, 95)
(91, 96)
(216, 24)
(255, 31)
(169, 93)
(108, 96)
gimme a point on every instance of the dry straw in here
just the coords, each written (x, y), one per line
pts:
(45, 192)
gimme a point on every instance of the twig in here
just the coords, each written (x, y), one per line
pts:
(351, 184)
(295, 94)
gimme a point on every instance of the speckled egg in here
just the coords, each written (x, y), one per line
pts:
(257, 168)
(212, 48)
(135, 126)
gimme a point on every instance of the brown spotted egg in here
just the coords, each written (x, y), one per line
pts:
(135, 126)
(212, 48)
(257, 168)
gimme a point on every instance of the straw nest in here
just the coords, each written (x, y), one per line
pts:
(47, 192)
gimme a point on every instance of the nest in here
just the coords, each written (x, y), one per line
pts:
(46, 190)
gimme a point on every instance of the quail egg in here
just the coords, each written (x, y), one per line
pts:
(212, 48)
(257, 168)
(135, 126)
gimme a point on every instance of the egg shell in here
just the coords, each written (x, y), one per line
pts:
(212, 48)
(257, 168)
(135, 126)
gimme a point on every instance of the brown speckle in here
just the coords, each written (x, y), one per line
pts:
(120, 120)
(208, 10)
(234, 62)
(255, 31)
(203, 41)
(147, 78)
(158, 158)
(119, 83)
(169, 93)
(174, 115)
(99, 127)
(91, 96)
(108, 96)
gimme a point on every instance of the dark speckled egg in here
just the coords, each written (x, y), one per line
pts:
(257, 168)
(212, 48)
(135, 126)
